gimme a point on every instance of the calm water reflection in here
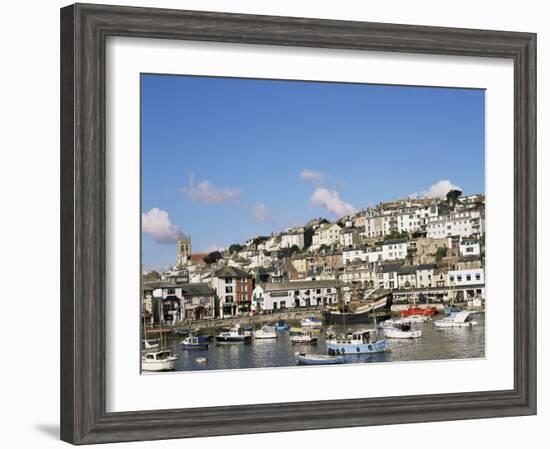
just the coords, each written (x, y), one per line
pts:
(435, 344)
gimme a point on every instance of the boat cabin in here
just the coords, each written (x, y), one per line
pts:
(160, 355)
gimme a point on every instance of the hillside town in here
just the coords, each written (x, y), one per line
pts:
(414, 251)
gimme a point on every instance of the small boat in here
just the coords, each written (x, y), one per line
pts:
(304, 338)
(151, 343)
(182, 332)
(427, 311)
(311, 322)
(193, 342)
(158, 361)
(281, 326)
(360, 342)
(265, 333)
(303, 358)
(234, 335)
(201, 360)
(402, 331)
(458, 319)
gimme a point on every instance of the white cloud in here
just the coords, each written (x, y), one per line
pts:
(437, 190)
(208, 193)
(158, 225)
(331, 201)
(261, 213)
(312, 176)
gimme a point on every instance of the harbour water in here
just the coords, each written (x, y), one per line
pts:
(435, 344)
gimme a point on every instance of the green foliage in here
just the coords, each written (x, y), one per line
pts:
(440, 253)
(151, 276)
(294, 250)
(212, 257)
(452, 197)
(235, 248)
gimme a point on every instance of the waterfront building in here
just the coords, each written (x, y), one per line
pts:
(387, 275)
(424, 273)
(233, 288)
(291, 295)
(406, 277)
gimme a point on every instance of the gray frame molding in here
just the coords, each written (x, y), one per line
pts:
(83, 32)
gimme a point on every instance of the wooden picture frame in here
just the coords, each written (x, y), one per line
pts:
(84, 29)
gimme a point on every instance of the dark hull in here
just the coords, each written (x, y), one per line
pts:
(352, 318)
(246, 339)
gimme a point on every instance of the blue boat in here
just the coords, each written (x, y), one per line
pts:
(359, 342)
(192, 342)
(205, 338)
(281, 326)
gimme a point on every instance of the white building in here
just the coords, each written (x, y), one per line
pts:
(291, 238)
(387, 275)
(285, 295)
(394, 249)
(466, 277)
(326, 234)
(349, 237)
(463, 224)
(424, 273)
(406, 277)
(470, 247)
(353, 254)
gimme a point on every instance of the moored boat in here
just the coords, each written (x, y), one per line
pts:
(265, 333)
(427, 311)
(360, 342)
(304, 338)
(303, 358)
(280, 325)
(158, 361)
(151, 343)
(193, 342)
(234, 335)
(402, 331)
(458, 319)
(311, 322)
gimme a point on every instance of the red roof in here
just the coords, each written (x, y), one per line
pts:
(198, 257)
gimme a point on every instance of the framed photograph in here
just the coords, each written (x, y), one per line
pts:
(292, 224)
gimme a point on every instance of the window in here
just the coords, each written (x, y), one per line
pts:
(228, 280)
(283, 304)
(468, 277)
(229, 289)
(229, 298)
(318, 291)
(459, 278)
(171, 291)
(478, 276)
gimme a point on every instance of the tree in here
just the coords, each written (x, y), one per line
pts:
(235, 248)
(323, 248)
(294, 249)
(212, 257)
(452, 197)
(151, 276)
(440, 253)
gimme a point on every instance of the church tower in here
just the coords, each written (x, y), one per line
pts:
(184, 251)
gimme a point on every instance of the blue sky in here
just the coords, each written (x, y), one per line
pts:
(226, 159)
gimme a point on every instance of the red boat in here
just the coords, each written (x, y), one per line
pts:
(419, 311)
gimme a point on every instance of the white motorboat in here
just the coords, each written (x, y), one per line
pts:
(303, 338)
(402, 331)
(265, 333)
(234, 335)
(458, 319)
(303, 358)
(158, 361)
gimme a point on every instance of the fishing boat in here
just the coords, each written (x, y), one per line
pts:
(234, 335)
(193, 342)
(427, 311)
(304, 338)
(201, 360)
(311, 322)
(158, 361)
(265, 333)
(303, 358)
(151, 343)
(458, 319)
(280, 325)
(402, 331)
(359, 342)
